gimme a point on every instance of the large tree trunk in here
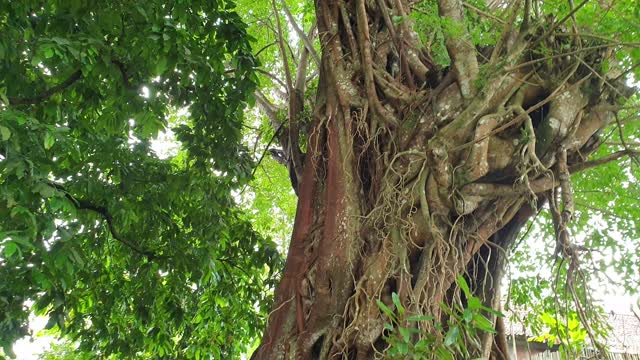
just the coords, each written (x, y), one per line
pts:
(415, 175)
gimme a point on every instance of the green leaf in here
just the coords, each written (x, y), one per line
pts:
(5, 133)
(385, 309)
(49, 140)
(452, 336)
(3, 95)
(482, 323)
(443, 354)
(10, 248)
(45, 190)
(474, 303)
(464, 286)
(492, 311)
(397, 20)
(48, 52)
(396, 302)
(161, 65)
(403, 348)
(77, 258)
(405, 333)
(467, 315)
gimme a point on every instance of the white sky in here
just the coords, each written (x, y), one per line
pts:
(27, 348)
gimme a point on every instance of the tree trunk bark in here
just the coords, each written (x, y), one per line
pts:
(415, 175)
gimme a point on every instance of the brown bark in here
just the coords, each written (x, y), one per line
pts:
(406, 186)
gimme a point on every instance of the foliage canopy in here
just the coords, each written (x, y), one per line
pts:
(134, 253)
(127, 252)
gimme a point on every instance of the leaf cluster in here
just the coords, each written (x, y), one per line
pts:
(464, 325)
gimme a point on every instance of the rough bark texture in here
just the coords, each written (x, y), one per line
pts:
(415, 174)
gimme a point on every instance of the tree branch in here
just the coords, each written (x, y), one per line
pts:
(82, 204)
(558, 23)
(296, 107)
(272, 77)
(483, 13)
(601, 161)
(265, 48)
(281, 131)
(267, 148)
(305, 39)
(123, 72)
(572, 52)
(283, 53)
(75, 76)
(460, 48)
(367, 64)
(542, 184)
(269, 109)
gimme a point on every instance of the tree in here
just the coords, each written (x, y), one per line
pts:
(130, 254)
(420, 138)
(424, 158)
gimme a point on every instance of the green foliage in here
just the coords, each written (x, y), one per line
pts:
(64, 350)
(570, 334)
(605, 222)
(408, 339)
(259, 16)
(125, 252)
(272, 203)
(430, 28)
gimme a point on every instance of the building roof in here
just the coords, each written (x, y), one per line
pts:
(625, 333)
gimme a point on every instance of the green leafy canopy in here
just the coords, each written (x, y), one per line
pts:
(128, 253)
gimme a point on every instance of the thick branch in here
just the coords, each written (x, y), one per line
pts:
(459, 47)
(82, 204)
(367, 63)
(269, 109)
(542, 184)
(296, 107)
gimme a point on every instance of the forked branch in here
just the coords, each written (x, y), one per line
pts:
(306, 40)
